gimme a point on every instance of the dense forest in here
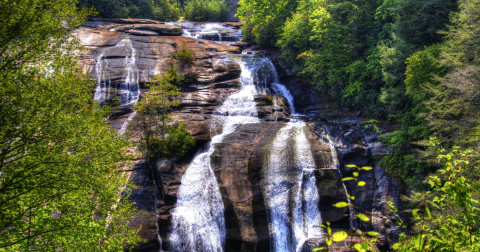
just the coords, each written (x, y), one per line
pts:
(411, 62)
(163, 10)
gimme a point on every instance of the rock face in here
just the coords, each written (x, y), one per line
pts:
(133, 52)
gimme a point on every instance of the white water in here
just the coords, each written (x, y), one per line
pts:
(291, 195)
(123, 129)
(128, 90)
(290, 191)
(198, 220)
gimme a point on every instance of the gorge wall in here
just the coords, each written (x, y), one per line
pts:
(263, 156)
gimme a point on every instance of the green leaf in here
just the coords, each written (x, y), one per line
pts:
(329, 230)
(418, 242)
(329, 241)
(339, 236)
(366, 168)
(361, 183)
(319, 249)
(347, 178)
(351, 166)
(414, 212)
(428, 212)
(355, 174)
(363, 217)
(435, 205)
(373, 233)
(321, 225)
(341, 204)
(357, 246)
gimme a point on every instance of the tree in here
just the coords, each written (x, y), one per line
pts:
(158, 9)
(59, 185)
(155, 108)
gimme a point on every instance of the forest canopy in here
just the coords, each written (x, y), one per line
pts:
(150, 9)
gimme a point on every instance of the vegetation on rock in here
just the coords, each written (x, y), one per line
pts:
(162, 140)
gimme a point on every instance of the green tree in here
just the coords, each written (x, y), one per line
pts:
(206, 10)
(60, 188)
(158, 9)
(453, 226)
(162, 140)
(265, 19)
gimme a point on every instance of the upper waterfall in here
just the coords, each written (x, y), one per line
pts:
(122, 57)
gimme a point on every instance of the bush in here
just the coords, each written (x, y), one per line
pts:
(177, 144)
(185, 55)
(206, 10)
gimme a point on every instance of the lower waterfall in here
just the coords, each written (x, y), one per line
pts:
(290, 191)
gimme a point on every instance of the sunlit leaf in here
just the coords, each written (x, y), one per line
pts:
(329, 241)
(363, 217)
(357, 246)
(428, 212)
(414, 212)
(321, 225)
(373, 233)
(366, 168)
(361, 183)
(329, 230)
(339, 236)
(351, 166)
(319, 249)
(355, 174)
(347, 178)
(341, 204)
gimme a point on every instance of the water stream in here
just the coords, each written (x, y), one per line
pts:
(198, 221)
(127, 91)
(290, 191)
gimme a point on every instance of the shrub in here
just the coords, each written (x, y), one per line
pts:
(185, 55)
(177, 144)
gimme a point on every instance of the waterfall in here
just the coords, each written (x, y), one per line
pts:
(128, 90)
(290, 191)
(198, 222)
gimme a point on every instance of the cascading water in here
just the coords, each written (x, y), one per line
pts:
(198, 220)
(290, 191)
(128, 89)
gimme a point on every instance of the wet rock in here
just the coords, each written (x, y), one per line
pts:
(144, 198)
(142, 32)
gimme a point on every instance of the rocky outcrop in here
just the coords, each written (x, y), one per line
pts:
(336, 137)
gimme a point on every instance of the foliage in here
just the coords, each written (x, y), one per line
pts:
(154, 111)
(408, 61)
(158, 9)
(368, 244)
(185, 55)
(178, 143)
(451, 190)
(206, 10)
(60, 188)
(265, 19)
